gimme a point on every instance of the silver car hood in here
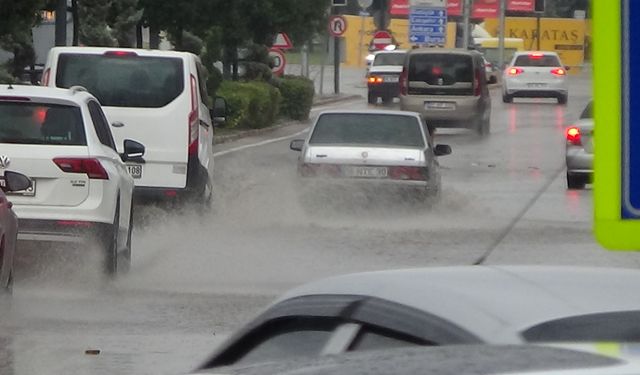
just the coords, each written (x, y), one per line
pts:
(364, 155)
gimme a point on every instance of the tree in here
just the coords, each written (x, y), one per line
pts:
(124, 16)
(564, 8)
(94, 29)
(18, 18)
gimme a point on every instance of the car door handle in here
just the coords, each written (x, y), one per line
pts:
(202, 123)
(117, 124)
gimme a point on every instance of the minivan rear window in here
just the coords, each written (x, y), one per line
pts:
(41, 124)
(537, 60)
(441, 74)
(123, 81)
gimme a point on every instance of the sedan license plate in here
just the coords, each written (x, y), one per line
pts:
(536, 85)
(392, 79)
(30, 192)
(135, 170)
(440, 105)
(366, 172)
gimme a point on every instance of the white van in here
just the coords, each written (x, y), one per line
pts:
(156, 97)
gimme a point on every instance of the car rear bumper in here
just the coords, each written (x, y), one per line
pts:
(197, 181)
(578, 160)
(464, 114)
(385, 89)
(339, 186)
(69, 231)
(524, 89)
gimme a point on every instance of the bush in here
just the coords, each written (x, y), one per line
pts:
(297, 97)
(250, 104)
(5, 77)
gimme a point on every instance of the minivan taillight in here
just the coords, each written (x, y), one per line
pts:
(193, 118)
(404, 82)
(90, 166)
(45, 77)
(477, 91)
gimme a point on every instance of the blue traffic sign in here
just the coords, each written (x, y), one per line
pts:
(427, 25)
(630, 111)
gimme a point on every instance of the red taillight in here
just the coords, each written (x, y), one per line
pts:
(476, 83)
(45, 77)
(170, 193)
(515, 71)
(408, 173)
(91, 167)
(573, 136)
(193, 118)
(404, 82)
(120, 53)
(536, 55)
(374, 80)
(559, 72)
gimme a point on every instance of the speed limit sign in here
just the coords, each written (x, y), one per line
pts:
(279, 61)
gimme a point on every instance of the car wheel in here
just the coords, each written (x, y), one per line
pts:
(506, 98)
(562, 99)
(372, 99)
(110, 245)
(576, 182)
(387, 100)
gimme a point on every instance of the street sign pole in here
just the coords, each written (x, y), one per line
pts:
(501, 34)
(337, 28)
(466, 14)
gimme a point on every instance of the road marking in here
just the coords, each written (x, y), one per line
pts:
(268, 141)
(274, 140)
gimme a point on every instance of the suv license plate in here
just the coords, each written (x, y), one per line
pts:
(440, 105)
(135, 170)
(30, 192)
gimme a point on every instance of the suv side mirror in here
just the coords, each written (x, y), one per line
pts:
(133, 151)
(219, 111)
(296, 144)
(442, 150)
(14, 181)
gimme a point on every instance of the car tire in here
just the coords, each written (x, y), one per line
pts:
(109, 246)
(372, 99)
(563, 99)
(387, 100)
(576, 182)
(506, 98)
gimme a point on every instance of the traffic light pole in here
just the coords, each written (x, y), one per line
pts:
(336, 60)
(61, 23)
(501, 35)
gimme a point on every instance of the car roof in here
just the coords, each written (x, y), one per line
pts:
(371, 112)
(520, 53)
(476, 297)
(77, 95)
(398, 51)
(138, 51)
(457, 51)
(444, 360)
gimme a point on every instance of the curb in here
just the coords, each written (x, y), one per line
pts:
(219, 139)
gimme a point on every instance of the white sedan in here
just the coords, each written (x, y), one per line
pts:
(371, 151)
(535, 75)
(80, 188)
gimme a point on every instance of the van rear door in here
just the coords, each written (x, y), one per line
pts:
(145, 97)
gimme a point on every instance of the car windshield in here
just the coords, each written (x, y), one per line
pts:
(41, 124)
(536, 60)
(389, 59)
(368, 129)
(123, 81)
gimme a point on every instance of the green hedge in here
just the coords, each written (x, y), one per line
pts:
(297, 97)
(252, 105)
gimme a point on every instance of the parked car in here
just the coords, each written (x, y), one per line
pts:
(579, 150)
(80, 189)
(535, 74)
(491, 73)
(448, 87)
(441, 306)
(458, 359)
(10, 183)
(383, 77)
(157, 97)
(371, 150)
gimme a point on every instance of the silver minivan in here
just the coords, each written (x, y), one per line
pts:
(448, 87)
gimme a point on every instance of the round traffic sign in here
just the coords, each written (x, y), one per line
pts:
(279, 61)
(381, 39)
(337, 25)
(364, 4)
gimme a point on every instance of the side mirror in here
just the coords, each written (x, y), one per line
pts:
(567, 68)
(442, 150)
(296, 144)
(219, 111)
(492, 80)
(14, 181)
(133, 151)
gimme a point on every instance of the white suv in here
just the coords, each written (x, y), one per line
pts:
(81, 190)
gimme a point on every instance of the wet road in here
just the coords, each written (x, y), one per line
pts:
(195, 278)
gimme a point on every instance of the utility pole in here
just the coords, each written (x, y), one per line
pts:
(501, 35)
(61, 23)
(466, 14)
(336, 59)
